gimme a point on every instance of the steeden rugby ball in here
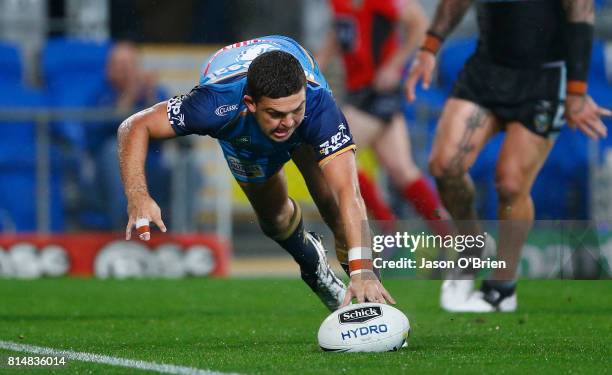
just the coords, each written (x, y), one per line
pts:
(365, 327)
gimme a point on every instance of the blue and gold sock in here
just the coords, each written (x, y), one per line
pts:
(294, 240)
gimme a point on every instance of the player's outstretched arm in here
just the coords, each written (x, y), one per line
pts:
(341, 176)
(448, 15)
(133, 139)
(581, 112)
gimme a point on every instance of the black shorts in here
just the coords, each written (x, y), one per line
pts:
(533, 97)
(382, 105)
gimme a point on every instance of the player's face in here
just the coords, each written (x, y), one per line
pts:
(278, 118)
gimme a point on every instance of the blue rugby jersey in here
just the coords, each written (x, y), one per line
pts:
(216, 108)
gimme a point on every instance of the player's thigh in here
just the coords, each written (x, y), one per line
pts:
(521, 158)
(365, 127)
(463, 130)
(393, 150)
(305, 159)
(269, 198)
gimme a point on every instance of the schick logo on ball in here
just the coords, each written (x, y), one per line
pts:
(364, 331)
(360, 315)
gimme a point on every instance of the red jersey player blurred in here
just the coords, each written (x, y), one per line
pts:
(366, 33)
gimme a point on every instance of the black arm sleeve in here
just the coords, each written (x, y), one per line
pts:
(578, 53)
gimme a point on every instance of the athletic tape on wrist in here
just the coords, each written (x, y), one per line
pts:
(575, 87)
(357, 272)
(142, 226)
(432, 43)
(360, 258)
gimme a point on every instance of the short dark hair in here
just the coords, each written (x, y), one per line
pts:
(275, 74)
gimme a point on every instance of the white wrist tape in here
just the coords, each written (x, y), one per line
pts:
(141, 222)
(355, 253)
(359, 260)
(357, 272)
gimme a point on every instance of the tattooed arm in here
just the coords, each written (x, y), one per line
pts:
(581, 111)
(579, 10)
(580, 17)
(448, 15)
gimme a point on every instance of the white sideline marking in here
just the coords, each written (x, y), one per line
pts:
(107, 360)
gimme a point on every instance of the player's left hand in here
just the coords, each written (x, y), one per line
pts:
(366, 288)
(142, 210)
(582, 113)
(422, 67)
(387, 78)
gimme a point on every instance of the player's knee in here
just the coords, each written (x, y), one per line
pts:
(272, 227)
(509, 187)
(442, 166)
(282, 223)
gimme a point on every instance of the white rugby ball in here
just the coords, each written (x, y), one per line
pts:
(364, 327)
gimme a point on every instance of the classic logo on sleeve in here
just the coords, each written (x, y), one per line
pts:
(225, 109)
(336, 142)
(176, 117)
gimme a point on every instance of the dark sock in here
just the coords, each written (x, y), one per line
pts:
(345, 267)
(505, 288)
(296, 244)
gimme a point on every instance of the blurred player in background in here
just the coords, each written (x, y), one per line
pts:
(531, 64)
(266, 102)
(366, 33)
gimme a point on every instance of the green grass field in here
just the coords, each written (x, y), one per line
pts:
(269, 326)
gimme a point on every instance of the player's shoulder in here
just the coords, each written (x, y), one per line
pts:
(322, 112)
(206, 107)
(318, 98)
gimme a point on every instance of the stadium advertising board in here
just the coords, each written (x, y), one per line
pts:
(107, 255)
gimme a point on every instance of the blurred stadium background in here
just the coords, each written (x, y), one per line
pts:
(54, 210)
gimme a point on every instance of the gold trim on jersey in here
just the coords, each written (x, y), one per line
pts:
(337, 153)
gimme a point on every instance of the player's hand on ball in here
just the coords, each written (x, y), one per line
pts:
(142, 211)
(581, 112)
(422, 68)
(366, 287)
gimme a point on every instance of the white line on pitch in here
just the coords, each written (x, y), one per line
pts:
(107, 360)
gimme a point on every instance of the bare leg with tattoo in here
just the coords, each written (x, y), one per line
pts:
(462, 132)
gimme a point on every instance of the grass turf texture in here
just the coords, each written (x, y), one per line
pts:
(270, 326)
